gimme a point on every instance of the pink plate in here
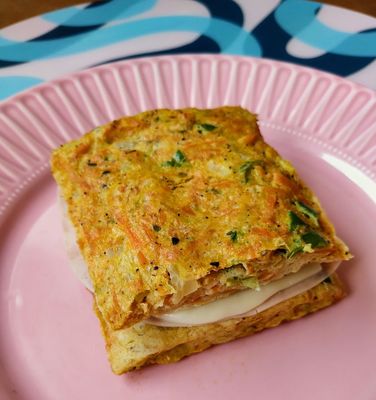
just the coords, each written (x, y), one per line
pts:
(50, 342)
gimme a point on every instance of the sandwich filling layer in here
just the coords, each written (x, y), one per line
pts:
(241, 304)
(250, 301)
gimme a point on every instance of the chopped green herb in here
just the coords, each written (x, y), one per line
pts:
(176, 161)
(247, 167)
(295, 251)
(294, 221)
(207, 127)
(179, 157)
(156, 228)
(314, 239)
(233, 235)
(308, 212)
(251, 282)
(170, 163)
(232, 281)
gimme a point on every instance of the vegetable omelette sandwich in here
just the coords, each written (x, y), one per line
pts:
(191, 231)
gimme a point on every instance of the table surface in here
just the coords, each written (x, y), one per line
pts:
(12, 11)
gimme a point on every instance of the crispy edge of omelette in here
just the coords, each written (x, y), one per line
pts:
(142, 344)
(125, 307)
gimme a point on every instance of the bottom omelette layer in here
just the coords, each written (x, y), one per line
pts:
(144, 344)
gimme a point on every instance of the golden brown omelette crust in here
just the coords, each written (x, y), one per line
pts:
(173, 196)
(142, 344)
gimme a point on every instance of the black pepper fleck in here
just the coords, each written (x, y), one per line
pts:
(215, 263)
(105, 172)
(175, 240)
(156, 228)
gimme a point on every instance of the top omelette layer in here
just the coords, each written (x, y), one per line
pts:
(170, 196)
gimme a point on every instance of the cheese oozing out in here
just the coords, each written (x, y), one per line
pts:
(241, 304)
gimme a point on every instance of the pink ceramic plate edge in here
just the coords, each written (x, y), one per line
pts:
(50, 345)
(306, 113)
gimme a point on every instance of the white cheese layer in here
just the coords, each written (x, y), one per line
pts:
(77, 262)
(248, 302)
(241, 304)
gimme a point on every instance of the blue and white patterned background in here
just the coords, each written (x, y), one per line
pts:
(75, 38)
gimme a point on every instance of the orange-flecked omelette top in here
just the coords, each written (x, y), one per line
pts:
(189, 190)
